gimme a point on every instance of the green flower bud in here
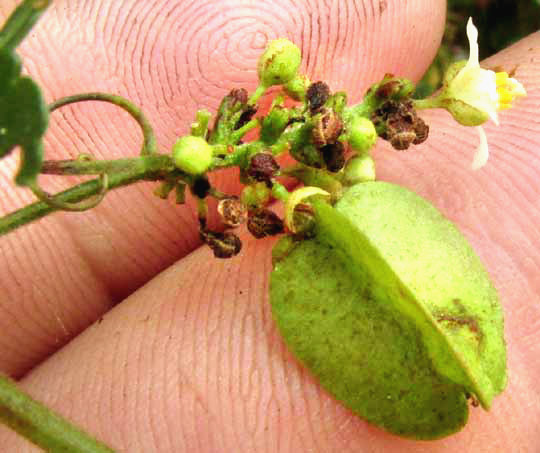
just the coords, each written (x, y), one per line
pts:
(255, 195)
(192, 154)
(279, 62)
(359, 169)
(297, 87)
(361, 134)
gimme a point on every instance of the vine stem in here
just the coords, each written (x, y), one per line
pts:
(133, 170)
(40, 425)
(21, 22)
(149, 145)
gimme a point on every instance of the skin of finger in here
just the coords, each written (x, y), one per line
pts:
(193, 360)
(62, 273)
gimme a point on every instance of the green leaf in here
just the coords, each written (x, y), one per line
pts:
(23, 113)
(394, 313)
(20, 22)
(23, 121)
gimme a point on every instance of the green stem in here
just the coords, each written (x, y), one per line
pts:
(142, 168)
(97, 167)
(259, 91)
(41, 426)
(239, 133)
(428, 103)
(149, 142)
(310, 176)
(21, 21)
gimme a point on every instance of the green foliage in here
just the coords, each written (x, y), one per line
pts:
(392, 311)
(23, 113)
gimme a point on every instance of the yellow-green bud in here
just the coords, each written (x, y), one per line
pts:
(256, 194)
(192, 154)
(359, 169)
(297, 87)
(361, 134)
(279, 62)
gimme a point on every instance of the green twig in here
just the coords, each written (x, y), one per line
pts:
(40, 425)
(142, 168)
(237, 134)
(97, 167)
(21, 22)
(149, 143)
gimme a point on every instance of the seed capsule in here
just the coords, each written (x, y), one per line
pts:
(328, 127)
(224, 245)
(263, 222)
(317, 94)
(421, 129)
(232, 211)
(262, 167)
(334, 156)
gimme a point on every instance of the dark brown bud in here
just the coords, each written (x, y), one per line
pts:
(224, 245)
(327, 128)
(421, 129)
(245, 117)
(402, 140)
(238, 95)
(200, 187)
(399, 124)
(263, 222)
(387, 89)
(334, 156)
(232, 211)
(262, 167)
(392, 88)
(317, 94)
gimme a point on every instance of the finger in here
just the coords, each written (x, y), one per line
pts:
(193, 361)
(171, 58)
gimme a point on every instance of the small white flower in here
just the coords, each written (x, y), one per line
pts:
(473, 94)
(484, 90)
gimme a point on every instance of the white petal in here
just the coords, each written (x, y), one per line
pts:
(472, 34)
(482, 152)
(515, 87)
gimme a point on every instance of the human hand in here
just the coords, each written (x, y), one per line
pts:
(192, 361)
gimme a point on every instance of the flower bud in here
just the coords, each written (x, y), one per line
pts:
(394, 88)
(296, 88)
(361, 134)
(255, 194)
(279, 63)
(192, 154)
(359, 169)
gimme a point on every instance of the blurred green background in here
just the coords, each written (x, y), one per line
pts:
(499, 22)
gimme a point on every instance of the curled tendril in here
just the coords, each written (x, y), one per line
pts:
(84, 205)
(149, 145)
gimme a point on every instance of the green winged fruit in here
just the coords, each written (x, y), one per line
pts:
(392, 311)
